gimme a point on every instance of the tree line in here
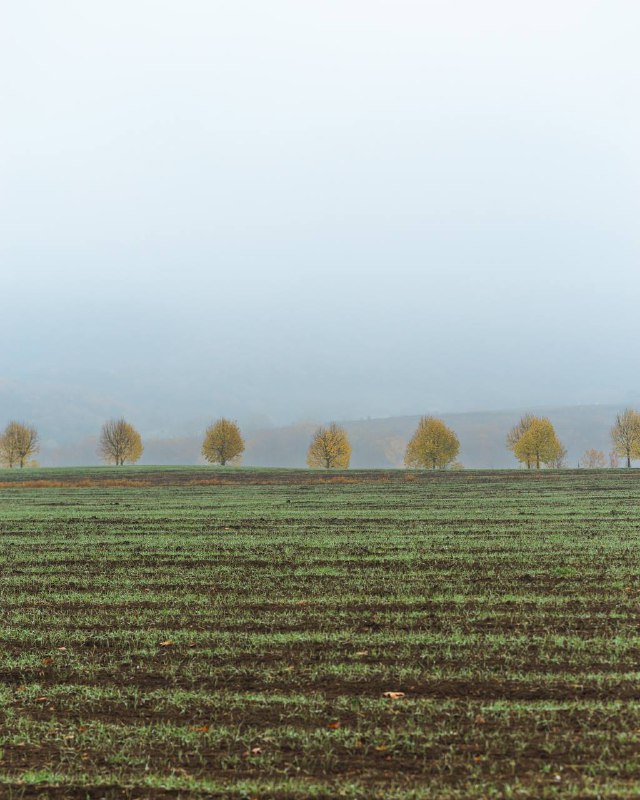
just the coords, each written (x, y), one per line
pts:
(434, 445)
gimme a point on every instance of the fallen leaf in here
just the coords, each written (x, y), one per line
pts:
(47, 661)
(168, 643)
(394, 695)
(381, 748)
(333, 726)
(182, 771)
(62, 649)
(362, 653)
(41, 699)
(480, 720)
(200, 728)
(192, 644)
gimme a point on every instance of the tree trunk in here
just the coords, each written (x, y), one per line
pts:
(628, 460)
(537, 461)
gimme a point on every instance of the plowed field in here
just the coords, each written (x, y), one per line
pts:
(192, 633)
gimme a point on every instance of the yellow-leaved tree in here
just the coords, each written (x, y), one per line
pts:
(519, 430)
(539, 445)
(329, 448)
(625, 435)
(18, 442)
(120, 442)
(433, 446)
(223, 442)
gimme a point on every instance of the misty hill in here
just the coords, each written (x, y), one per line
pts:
(381, 442)
(69, 437)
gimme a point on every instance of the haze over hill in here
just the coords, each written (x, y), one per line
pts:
(69, 428)
(309, 211)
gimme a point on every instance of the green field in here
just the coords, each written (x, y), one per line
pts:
(208, 633)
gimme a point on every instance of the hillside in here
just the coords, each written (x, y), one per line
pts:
(376, 442)
(381, 442)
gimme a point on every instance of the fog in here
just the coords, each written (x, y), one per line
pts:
(284, 211)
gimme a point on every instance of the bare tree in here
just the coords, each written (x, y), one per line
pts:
(594, 459)
(614, 460)
(18, 443)
(119, 442)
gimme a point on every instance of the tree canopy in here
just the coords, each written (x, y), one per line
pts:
(539, 445)
(518, 430)
(329, 448)
(18, 442)
(433, 445)
(625, 435)
(120, 442)
(223, 442)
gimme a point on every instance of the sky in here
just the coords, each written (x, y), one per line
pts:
(326, 209)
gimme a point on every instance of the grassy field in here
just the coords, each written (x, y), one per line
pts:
(206, 633)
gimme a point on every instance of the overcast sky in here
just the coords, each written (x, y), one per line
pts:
(328, 208)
